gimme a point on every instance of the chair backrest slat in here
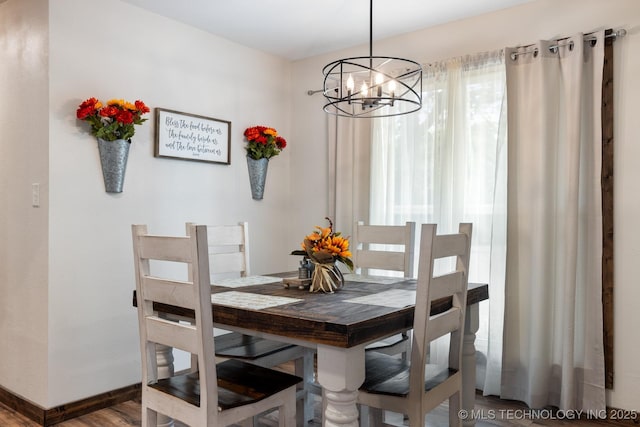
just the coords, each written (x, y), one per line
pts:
(378, 259)
(385, 234)
(226, 235)
(167, 291)
(174, 334)
(449, 245)
(227, 263)
(447, 284)
(444, 323)
(164, 248)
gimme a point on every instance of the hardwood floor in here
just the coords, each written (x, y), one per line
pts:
(489, 411)
(124, 414)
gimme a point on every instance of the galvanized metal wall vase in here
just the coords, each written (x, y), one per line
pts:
(113, 158)
(113, 125)
(257, 176)
(262, 143)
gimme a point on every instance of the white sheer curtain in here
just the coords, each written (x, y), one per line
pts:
(553, 322)
(446, 164)
(349, 154)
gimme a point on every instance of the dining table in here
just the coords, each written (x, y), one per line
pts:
(338, 326)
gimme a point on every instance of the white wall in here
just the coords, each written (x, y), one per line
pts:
(524, 25)
(23, 229)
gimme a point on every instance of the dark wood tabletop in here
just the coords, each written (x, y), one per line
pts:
(326, 318)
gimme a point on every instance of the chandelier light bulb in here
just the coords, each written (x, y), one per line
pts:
(364, 89)
(392, 87)
(350, 84)
(379, 81)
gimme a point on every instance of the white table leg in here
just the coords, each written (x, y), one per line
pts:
(471, 325)
(340, 373)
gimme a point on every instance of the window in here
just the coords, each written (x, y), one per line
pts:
(446, 164)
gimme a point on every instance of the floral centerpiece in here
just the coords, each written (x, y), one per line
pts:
(263, 142)
(112, 121)
(325, 247)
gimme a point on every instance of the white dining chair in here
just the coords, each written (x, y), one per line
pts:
(228, 251)
(384, 247)
(219, 394)
(415, 387)
(389, 248)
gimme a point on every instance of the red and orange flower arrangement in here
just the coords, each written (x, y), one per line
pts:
(263, 142)
(112, 121)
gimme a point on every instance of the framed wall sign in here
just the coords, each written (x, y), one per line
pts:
(192, 137)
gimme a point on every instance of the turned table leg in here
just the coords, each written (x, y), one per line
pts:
(340, 373)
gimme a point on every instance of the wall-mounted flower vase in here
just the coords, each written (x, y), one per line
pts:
(113, 158)
(257, 176)
(114, 125)
(262, 143)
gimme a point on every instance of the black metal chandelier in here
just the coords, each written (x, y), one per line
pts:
(372, 86)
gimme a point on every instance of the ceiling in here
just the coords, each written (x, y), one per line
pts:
(296, 29)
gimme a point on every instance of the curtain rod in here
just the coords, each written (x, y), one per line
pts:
(587, 37)
(514, 55)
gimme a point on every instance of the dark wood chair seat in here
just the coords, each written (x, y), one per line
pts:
(390, 376)
(396, 344)
(239, 383)
(247, 347)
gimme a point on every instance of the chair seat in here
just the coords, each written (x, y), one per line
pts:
(395, 344)
(239, 383)
(241, 346)
(389, 375)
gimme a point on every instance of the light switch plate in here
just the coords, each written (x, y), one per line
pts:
(35, 195)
